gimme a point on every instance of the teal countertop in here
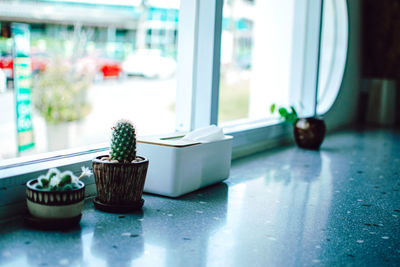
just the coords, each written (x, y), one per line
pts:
(282, 207)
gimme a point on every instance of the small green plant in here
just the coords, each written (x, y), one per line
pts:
(55, 180)
(123, 142)
(289, 115)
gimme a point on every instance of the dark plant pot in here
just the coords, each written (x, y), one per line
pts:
(119, 185)
(309, 132)
(54, 209)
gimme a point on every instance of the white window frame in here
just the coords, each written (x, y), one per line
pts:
(198, 64)
(199, 42)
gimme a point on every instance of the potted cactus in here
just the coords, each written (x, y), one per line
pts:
(120, 176)
(308, 133)
(56, 199)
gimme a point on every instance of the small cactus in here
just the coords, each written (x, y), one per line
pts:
(55, 180)
(123, 142)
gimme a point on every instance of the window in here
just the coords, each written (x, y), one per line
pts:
(242, 56)
(92, 63)
(256, 48)
(270, 54)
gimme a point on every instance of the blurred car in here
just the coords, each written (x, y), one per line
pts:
(149, 63)
(39, 62)
(109, 67)
(100, 66)
(6, 64)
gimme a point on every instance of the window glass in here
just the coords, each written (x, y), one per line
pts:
(69, 72)
(266, 57)
(256, 49)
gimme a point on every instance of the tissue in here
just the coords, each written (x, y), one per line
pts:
(206, 134)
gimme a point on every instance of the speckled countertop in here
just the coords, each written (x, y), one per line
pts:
(283, 207)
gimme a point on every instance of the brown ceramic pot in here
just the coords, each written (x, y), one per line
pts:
(309, 132)
(119, 185)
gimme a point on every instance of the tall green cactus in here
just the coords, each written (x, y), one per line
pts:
(123, 142)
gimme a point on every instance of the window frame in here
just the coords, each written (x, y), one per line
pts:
(198, 64)
(200, 22)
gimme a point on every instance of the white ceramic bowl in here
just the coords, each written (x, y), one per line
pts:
(54, 204)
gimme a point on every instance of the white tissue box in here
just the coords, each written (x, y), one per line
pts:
(177, 166)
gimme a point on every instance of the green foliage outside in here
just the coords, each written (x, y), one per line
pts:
(233, 100)
(60, 93)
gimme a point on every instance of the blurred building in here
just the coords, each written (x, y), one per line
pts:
(113, 27)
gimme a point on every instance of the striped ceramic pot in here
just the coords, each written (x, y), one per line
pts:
(120, 183)
(54, 204)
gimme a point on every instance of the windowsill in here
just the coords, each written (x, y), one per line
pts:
(333, 202)
(51, 156)
(255, 136)
(15, 166)
(249, 138)
(246, 125)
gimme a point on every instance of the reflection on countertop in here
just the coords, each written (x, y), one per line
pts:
(282, 207)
